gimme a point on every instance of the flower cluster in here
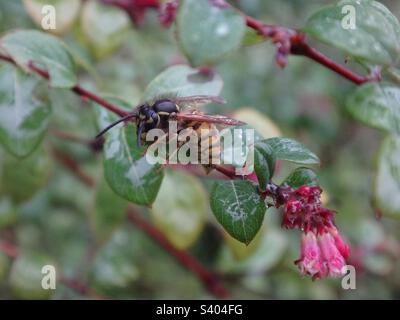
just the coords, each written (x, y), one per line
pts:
(323, 250)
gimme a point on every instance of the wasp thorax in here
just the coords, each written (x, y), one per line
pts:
(165, 107)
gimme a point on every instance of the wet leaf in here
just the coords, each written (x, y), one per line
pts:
(126, 168)
(24, 117)
(291, 150)
(302, 177)
(376, 105)
(183, 81)
(46, 51)
(387, 180)
(208, 31)
(375, 36)
(238, 207)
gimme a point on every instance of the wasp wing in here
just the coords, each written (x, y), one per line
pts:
(217, 119)
(199, 99)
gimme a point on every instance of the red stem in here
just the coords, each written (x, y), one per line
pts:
(298, 46)
(77, 89)
(209, 280)
(73, 166)
(309, 52)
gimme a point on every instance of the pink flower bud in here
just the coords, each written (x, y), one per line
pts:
(342, 246)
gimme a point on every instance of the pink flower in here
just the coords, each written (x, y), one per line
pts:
(331, 255)
(339, 242)
(320, 257)
(310, 256)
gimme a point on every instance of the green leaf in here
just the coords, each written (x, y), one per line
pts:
(109, 211)
(26, 276)
(183, 81)
(126, 168)
(238, 207)
(376, 105)
(114, 269)
(207, 31)
(181, 208)
(264, 163)
(46, 51)
(24, 117)
(302, 177)
(387, 180)
(375, 38)
(291, 150)
(4, 267)
(252, 37)
(32, 173)
(63, 22)
(104, 26)
(8, 213)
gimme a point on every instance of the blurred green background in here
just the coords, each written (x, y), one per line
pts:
(53, 217)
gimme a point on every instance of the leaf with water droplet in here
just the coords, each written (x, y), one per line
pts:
(183, 81)
(238, 207)
(264, 163)
(377, 105)
(126, 168)
(363, 29)
(46, 51)
(208, 31)
(387, 180)
(24, 116)
(291, 150)
(302, 177)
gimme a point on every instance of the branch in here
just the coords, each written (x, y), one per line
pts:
(291, 41)
(94, 144)
(209, 280)
(85, 94)
(287, 41)
(73, 166)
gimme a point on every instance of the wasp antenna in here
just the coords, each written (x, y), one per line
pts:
(129, 116)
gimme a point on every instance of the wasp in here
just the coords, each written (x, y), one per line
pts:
(158, 114)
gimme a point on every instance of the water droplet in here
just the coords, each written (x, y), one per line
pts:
(222, 29)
